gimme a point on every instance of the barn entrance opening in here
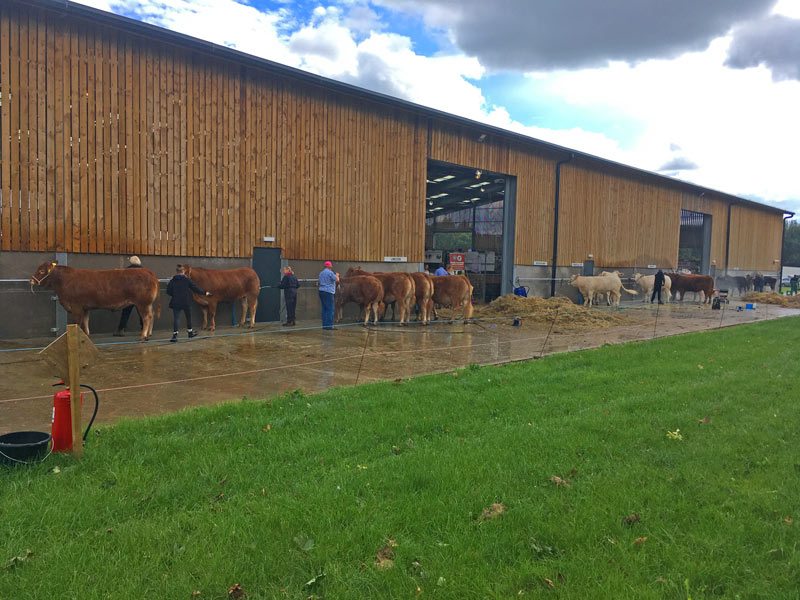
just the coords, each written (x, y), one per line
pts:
(694, 248)
(469, 215)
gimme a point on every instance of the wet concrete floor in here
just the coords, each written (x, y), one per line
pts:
(137, 379)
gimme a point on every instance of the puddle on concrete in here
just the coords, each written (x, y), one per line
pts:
(158, 377)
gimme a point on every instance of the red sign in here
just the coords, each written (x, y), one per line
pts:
(457, 260)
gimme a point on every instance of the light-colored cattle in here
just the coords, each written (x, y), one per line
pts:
(608, 284)
(646, 282)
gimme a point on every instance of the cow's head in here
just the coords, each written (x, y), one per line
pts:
(637, 277)
(43, 272)
(572, 278)
(187, 269)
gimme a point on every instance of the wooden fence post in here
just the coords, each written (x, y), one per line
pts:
(74, 364)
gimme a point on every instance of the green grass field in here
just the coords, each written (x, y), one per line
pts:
(386, 490)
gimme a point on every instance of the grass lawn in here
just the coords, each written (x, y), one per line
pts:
(387, 490)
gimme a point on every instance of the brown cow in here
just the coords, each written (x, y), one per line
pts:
(82, 290)
(453, 291)
(364, 290)
(397, 287)
(682, 283)
(423, 291)
(226, 285)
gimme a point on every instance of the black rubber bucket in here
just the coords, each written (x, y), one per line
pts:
(24, 447)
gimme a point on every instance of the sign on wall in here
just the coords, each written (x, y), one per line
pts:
(457, 261)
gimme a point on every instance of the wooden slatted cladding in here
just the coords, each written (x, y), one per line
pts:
(113, 143)
(755, 239)
(622, 222)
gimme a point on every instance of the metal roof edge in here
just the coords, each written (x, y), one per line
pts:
(142, 28)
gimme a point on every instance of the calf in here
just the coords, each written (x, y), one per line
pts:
(226, 285)
(364, 290)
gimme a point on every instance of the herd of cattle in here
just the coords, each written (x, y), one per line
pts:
(608, 285)
(82, 290)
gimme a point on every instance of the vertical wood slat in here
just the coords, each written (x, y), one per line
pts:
(54, 156)
(39, 222)
(7, 102)
(81, 203)
(24, 114)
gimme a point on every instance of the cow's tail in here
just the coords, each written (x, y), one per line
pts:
(631, 292)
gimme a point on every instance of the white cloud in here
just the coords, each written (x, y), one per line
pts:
(738, 126)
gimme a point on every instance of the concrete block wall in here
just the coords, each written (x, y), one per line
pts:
(26, 314)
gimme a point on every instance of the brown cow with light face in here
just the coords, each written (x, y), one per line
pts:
(364, 290)
(226, 285)
(82, 290)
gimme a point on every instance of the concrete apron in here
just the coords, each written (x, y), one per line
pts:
(157, 377)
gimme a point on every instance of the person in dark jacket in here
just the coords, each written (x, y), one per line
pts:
(135, 263)
(658, 283)
(758, 282)
(180, 289)
(289, 285)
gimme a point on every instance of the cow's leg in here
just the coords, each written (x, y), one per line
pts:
(253, 305)
(146, 312)
(243, 307)
(367, 309)
(204, 309)
(468, 310)
(212, 315)
(84, 321)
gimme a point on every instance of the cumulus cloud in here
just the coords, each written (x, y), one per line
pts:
(773, 42)
(537, 35)
(679, 163)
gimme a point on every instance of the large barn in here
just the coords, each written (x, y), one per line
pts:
(120, 138)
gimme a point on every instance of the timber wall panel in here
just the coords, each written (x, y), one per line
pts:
(755, 239)
(622, 222)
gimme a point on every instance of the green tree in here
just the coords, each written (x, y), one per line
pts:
(791, 244)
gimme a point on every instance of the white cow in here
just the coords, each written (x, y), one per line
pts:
(608, 284)
(646, 282)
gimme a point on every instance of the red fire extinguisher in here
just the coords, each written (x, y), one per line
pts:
(62, 418)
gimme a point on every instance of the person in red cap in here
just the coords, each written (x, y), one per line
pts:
(327, 290)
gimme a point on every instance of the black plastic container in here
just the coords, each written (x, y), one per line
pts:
(23, 447)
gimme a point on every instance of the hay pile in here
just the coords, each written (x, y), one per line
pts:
(544, 310)
(773, 298)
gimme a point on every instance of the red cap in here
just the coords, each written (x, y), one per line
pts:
(328, 263)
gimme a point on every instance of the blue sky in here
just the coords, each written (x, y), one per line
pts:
(706, 92)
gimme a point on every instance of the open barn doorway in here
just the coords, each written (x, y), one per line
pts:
(469, 214)
(694, 248)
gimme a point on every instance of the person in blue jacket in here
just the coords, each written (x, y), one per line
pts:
(327, 289)
(180, 289)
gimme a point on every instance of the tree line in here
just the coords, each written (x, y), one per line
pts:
(791, 244)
